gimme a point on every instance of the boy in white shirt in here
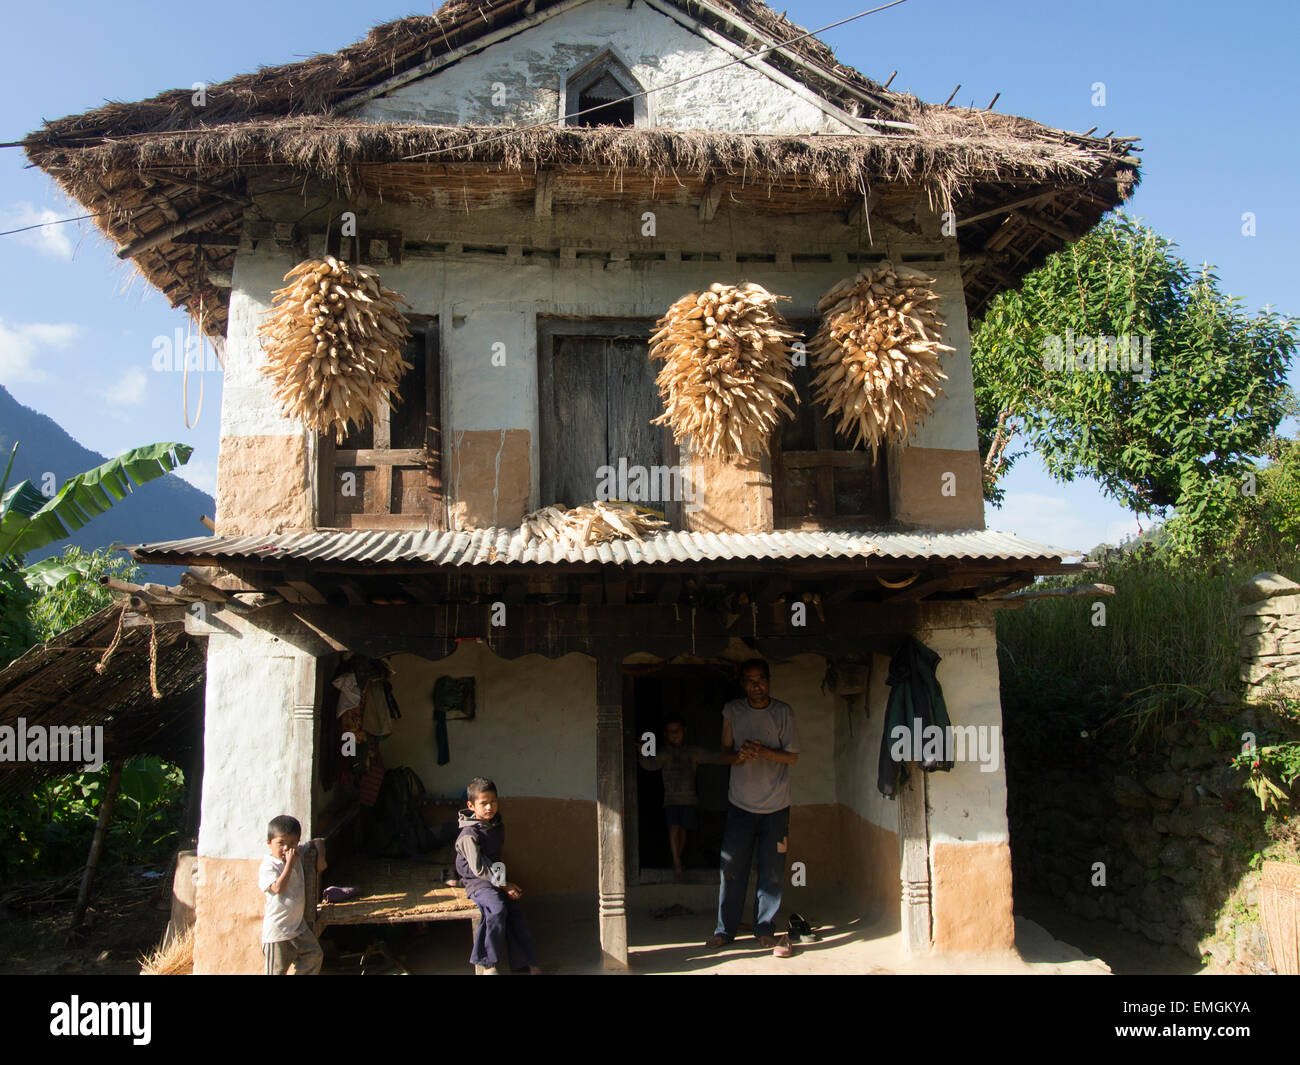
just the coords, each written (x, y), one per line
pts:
(285, 936)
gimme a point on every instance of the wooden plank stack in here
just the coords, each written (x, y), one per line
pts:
(593, 523)
(876, 355)
(334, 343)
(726, 369)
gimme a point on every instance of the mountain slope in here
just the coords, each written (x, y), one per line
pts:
(165, 509)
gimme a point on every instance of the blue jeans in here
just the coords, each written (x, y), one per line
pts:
(745, 831)
(502, 930)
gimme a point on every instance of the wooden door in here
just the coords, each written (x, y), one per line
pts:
(598, 398)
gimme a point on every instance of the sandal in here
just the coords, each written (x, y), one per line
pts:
(782, 949)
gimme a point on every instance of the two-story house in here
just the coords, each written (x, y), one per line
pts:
(541, 180)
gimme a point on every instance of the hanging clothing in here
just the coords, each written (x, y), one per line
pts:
(915, 705)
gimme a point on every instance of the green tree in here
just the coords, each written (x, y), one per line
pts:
(1182, 438)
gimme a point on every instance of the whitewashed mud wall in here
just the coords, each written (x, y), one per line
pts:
(517, 81)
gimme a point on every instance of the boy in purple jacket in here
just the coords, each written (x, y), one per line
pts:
(478, 863)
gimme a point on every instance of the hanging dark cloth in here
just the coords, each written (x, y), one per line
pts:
(915, 704)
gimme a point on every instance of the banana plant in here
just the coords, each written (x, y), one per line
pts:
(29, 520)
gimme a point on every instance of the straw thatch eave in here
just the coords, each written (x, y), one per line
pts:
(145, 186)
(167, 181)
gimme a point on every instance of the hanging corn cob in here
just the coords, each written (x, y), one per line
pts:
(876, 355)
(334, 343)
(594, 523)
(726, 365)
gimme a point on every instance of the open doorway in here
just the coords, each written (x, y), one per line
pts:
(696, 693)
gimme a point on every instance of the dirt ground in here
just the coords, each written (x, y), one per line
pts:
(127, 917)
(129, 914)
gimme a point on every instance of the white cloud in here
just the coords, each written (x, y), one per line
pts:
(128, 390)
(54, 241)
(1048, 520)
(23, 347)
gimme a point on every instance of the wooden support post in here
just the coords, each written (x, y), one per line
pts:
(97, 844)
(914, 839)
(307, 682)
(609, 809)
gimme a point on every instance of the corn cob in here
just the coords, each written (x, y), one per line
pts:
(594, 523)
(876, 355)
(726, 369)
(334, 341)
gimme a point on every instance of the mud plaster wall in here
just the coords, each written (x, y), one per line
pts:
(250, 744)
(523, 75)
(970, 855)
(488, 308)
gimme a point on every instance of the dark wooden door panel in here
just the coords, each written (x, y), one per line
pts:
(576, 424)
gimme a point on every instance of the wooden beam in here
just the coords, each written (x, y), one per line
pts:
(709, 202)
(1006, 208)
(175, 229)
(611, 860)
(544, 195)
(914, 836)
(1047, 226)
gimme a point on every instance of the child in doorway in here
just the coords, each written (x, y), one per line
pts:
(285, 936)
(678, 762)
(478, 863)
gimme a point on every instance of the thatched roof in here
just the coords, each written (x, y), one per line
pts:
(152, 170)
(56, 684)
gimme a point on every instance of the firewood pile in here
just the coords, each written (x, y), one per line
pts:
(876, 355)
(726, 371)
(593, 523)
(334, 341)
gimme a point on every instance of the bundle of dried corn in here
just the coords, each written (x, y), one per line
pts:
(877, 354)
(594, 523)
(334, 345)
(726, 365)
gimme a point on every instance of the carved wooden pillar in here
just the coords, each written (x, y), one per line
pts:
(914, 839)
(609, 807)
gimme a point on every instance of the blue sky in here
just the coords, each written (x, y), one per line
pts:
(1210, 88)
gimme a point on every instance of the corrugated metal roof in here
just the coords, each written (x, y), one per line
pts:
(505, 546)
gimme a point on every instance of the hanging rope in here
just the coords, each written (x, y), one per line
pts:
(153, 659)
(102, 664)
(185, 355)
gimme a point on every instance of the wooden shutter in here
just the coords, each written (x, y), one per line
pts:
(389, 474)
(817, 480)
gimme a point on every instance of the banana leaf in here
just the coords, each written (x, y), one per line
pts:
(28, 520)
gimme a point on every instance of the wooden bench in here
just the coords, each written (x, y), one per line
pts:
(393, 891)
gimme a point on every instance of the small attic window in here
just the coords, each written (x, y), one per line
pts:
(597, 95)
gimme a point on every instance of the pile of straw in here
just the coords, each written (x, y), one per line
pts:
(726, 367)
(876, 355)
(594, 523)
(334, 343)
(175, 958)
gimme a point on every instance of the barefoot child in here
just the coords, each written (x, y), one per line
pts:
(478, 850)
(285, 936)
(678, 763)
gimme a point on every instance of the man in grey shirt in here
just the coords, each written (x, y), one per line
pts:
(761, 743)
